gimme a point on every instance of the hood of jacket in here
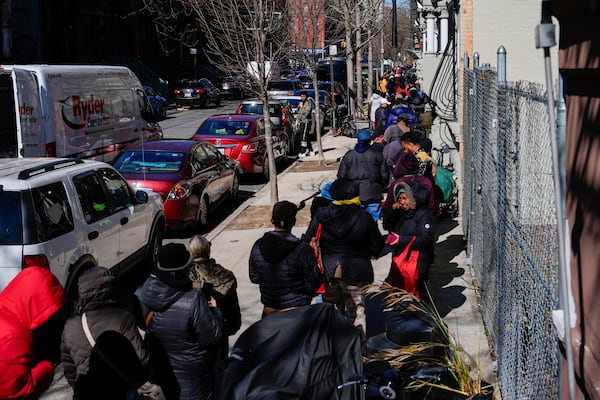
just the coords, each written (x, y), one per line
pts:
(158, 295)
(407, 164)
(97, 288)
(420, 193)
(339, 219)
(33, 296)
(274, 246)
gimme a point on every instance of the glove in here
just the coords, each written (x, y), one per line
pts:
(151, 391)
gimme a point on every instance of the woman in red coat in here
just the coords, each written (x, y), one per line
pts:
(26, 304)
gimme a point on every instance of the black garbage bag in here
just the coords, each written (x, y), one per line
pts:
(303, 353)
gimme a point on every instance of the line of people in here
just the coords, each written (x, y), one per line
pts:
(173, 344)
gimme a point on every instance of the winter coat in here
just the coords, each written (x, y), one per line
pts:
(285, 269)
(98, 299)
(367, 169)
(374, 103)
(350, 238)
(305, 112)
(26, 303)
(419, 223)
(224, 291)
(188, 328)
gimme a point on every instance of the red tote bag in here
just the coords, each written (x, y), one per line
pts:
(404, 272)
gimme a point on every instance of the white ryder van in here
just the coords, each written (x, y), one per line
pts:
(72, 111)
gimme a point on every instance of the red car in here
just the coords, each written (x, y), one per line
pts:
(192, 177)
(242, 138)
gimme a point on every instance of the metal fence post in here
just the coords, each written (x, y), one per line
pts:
(475, 60)
(466, 60)
(501, 60)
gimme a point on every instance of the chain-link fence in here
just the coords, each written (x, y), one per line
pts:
(509, 217)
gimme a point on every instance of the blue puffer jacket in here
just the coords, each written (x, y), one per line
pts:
(188, 328)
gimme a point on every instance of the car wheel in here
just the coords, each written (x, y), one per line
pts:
(203, 103)
(163, 112)
(154, 246)
(235, 185)
(202, 215)
(218, 102)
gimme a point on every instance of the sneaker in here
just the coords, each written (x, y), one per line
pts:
(301, 155)
(311, 153)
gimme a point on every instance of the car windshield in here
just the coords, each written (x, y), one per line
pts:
(150, 162)
(274, 109)
(225, 128)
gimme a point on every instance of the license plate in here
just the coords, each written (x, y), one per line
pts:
(187, 95)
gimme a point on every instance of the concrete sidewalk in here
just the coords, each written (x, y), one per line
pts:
(451, 283)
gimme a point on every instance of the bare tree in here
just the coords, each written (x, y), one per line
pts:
(360, 21)
(245, 33)
(174, 23)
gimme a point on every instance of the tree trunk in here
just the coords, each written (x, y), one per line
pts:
(358, 58)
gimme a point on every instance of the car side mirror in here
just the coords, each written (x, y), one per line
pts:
(141, 197)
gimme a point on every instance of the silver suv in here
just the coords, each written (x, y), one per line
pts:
(70, 214)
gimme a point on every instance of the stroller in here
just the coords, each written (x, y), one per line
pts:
(446, 190)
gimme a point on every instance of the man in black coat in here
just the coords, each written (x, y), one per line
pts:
(364, 165)
(284, 267)
(349, 239)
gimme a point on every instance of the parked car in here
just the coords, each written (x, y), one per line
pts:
(280, 116)
(197, 92)
(158, 103)
(242, 138)
(292, 103)
(69, 214)
(283, 87)
(235, 87)
(192, 177)
(307, 81)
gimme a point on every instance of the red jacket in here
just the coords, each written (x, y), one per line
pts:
(25, 304)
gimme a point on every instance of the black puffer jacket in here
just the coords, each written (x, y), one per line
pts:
(419, 223)
(188, 328)
(368, 171)
(98, 299)
(350, 237)
(285, 269)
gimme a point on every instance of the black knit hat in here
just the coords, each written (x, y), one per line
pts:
(174, 257)
(284, 214)
(342, 189)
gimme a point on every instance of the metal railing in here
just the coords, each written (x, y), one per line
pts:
(510, 220)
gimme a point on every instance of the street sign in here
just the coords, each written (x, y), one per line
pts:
(333, 50)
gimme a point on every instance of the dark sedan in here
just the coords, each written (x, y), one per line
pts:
(192, 177)
(197, 92)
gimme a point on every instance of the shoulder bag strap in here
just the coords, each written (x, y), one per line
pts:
(149, 317)
(86, 330)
